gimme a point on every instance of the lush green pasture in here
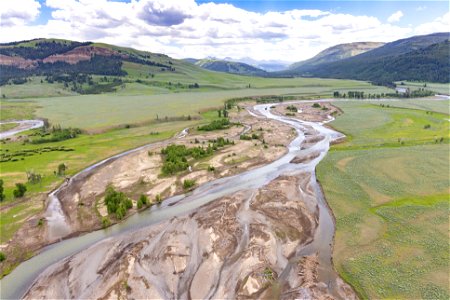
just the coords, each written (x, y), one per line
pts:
(16, 110)
(442, 106)
(440, 88)
(391, 204)
(370, 125)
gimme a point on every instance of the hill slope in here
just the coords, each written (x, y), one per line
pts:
(60, 67)
(225, 66)
(424, 58)
(336, 53)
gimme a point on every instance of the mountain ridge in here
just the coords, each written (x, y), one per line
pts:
(338, 52)
(390, 62)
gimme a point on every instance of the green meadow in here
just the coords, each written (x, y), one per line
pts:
(8, 126)
(388, 124)
(390, 200)
(440, 88)
(105, 110)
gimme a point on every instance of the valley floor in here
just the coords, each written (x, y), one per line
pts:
(388, 187)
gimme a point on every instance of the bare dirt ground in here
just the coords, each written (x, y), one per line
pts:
(307, 112)
(235, 247)
(140, 172)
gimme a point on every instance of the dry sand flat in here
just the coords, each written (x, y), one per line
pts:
(139, 173)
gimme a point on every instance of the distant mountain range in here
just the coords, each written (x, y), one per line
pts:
(422, 58)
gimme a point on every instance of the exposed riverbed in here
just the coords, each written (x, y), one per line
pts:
(268, 232)
(23, 125)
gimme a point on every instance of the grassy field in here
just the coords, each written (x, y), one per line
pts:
(391, 202)
(370, 125)
(440, 88)
(434, 106)
(8, 126)
(97, 111)
(17, 110)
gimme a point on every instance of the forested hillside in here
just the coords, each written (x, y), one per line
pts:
(422, 58)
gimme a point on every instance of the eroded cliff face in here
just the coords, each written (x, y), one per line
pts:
(240, 246)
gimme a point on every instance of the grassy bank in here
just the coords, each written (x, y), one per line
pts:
(390, 201)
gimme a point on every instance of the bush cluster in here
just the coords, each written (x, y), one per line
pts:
(176, 156)
(57, 134)
(117, 203)
(20, 190)
(216, 125)
(292, 108)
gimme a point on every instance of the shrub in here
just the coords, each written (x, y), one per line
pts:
(144, 199)
(106, 222)
(2, 256)
(158, 198)
(117, 203)
(2, 195)
(211, 168)
(62, 169)
(20, 190)
(292, 108)
(188, 183)
(58, 134)
(139, 204)
(216, 125)
(316, 105)
(245, 137)
(428, 126)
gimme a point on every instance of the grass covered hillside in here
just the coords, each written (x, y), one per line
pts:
(230, 67)
(92, 68)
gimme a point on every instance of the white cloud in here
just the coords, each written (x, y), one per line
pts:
(183, 28)
(18, 12)
(421, 8)
(441, 24)
(395, 17)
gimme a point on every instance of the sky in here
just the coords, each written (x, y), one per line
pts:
(263, 30)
